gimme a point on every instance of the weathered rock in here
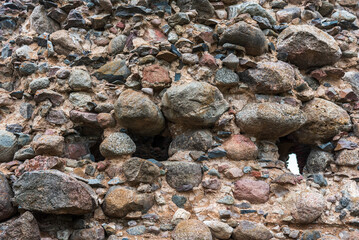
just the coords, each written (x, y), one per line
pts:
(6, 207)
(194, 103)
(191, 230)
(308, 46)
(219, 229)
(348, 157)
(253, 9)
(139, 170)
(117, 144)
(23, 228)
(137, 112)
(8, 146)
(48, 145)
(288, 14)
(204, 8)
(80, 80)
(309, 206)
(95, 233)
(200, 140)
(41, 163)
(251, 231)
(180, 18)
(119, 201)
(183, 176)
(113, 72)
(41, 23)
(56, 117)
(353, 79)
(247, 36)
(252, 191)
(270, 77)
(156, 77)
(39, 83)
(64, 43)
(258, 119)
(54, 192)
(117, 44)
(318, 160)
(325, 119)
(239, 147)
(80, 99)
(226, 78)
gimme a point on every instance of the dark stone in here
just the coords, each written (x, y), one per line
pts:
(180, 201)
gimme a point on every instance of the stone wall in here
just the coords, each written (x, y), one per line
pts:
(155, 119)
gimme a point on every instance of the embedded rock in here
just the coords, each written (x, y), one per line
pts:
(139, 170)
(8, 146)
(191, 230)
(309, 207)
(80, 80)
(252, 191)
(219, 229)
(251, 231)
(41, 23)
(117, 144)
(239, 147)
(6, 207)
(156, 77)
(48, 145)
(200, 140)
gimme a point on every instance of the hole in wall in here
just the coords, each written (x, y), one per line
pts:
(292, 164)
(152, 147)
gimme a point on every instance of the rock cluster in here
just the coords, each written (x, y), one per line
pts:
(179, 119)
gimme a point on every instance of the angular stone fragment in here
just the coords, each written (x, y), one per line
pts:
(348, 158)
(80, 80)
(269, 120)
(318, 160)
(94, 233)
(219, 229)
(251, 231)
(54, 192)
(194, 103)
(226, 78)
(183, 176)
(200, 140)
(115, 71)
(245, 35)
(308, 46)
(251, 8)
(309, 206)
(119, 201)
(117, 144)
(64, 43)
(49, 145)
(325, 119)
(6, 207)
(8, 146)
(137, 112)
(139, 170)
(204, 8)
(252, 191)
(191, 229)
(239, 147)
(156, 77)
(41, 23)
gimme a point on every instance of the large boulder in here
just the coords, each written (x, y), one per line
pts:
(119, 201)
(325, 119)
(196, 140)
(138, 113)
(269, 120)
(251, 231)
(308, 207)
(243, 34)
(270, 77)
(183, 176)
(194, 103)
(41, 23)
(139, 170)
(252, 191)
(117, 144)
(6, 207)
(191, 229)
(308, 46)
(8, 146)
(53, 192)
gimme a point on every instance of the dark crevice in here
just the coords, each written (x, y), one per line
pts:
(152, 147)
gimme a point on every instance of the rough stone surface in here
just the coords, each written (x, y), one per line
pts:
(219, 229)
(80, 80)
(309, 207)
(6, 207)
(193, 140)
(41, 23)
(191, 229)
(252, 191)
(49, 145)
(251, 231)
(139, 170)
(8, 146)
(156, 77)
(117, 144)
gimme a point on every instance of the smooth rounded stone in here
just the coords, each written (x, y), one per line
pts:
(119, 201)
(80, 99)
(137, 230)
(347, 158)
(194, 103)
(28, 68)
(251, 231)
(94, 233)
(204, 8)
(269, 120)
(288, 14)
(270, 77)
(326, 8)
(198, 140)
(39, 83)
(318, 160)
(239, 147)
(309, 207)
(6, 208)
(117, 44)
(191, 229)
(308, 46)
(219, 229)
(183, 176)
(252, 191)
(117, 144)
(342, 15)
(325, 119)
(8, 146)
(41, 23)
(23, 228)
(243, 34)
(53, 192)
(80, 80)
(226, 78)
(155, 77)
(253, 9)
(137, 112)
(139, 170)
(114, 71)
(24, 153)
(49, 145)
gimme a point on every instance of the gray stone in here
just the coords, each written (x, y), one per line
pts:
(41, 23)
(139, 170)
(80, 80)
(183, 176)
(204, 8)
(137, 230)
(94, 233)
(191, 229)
(226, 78)
(251, 231)
(137, 112)
(253, 9)
(308, 46)
(353, 79)
(194, 103)
(190, 59)
(288, 14)
(114, 72)
(117, 144)
(53, 192)
(243, 34)
(309, 206)
(199, 140)
(8, 146)
(258, 119)
(80, 99)
(231, 61)
(342, 15)
(24, 153)
(219, 229)
(39, 83)
(318, 160)
(117, 44)
(348, 158)
(6, 208)
(180, 18)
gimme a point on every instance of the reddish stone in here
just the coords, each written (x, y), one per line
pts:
(83, 117)
(41, 163)
(154, 35)
(239, 147)
(76, 150)
(207, 37)
(208, 60)
(288, 178)
(105, 120)
(120, 25)
(348, 95)
(211, 184)
(256, 174)
(101, 166)
(155, 76)
(233, 173)
(113, 30)
(252, 191)
(222, 167)
(54, 97)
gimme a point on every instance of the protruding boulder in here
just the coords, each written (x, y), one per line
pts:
(309, 207)
(41, 23)
(239, 147)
